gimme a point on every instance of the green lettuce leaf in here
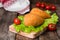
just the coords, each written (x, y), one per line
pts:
(47, 11)
(28, 29)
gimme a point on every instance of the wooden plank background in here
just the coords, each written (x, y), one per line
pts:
(47, 35)
(6, 19)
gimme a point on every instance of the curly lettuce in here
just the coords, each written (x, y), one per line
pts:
(22, 27)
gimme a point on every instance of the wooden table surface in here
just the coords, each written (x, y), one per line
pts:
(6, 19)
(48, 35)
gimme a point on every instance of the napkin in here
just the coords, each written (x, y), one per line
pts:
(20, 6)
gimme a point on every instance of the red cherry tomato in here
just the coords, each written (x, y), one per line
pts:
(42, 5)
(38, 4)
(53, 7)
(17, 21)
(52, 27)
(48, 7)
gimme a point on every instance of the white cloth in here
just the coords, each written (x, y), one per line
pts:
(20, 6)
(1, 5)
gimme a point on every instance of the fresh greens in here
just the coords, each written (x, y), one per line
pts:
(21, 17)
(47, 11)
(22, 27)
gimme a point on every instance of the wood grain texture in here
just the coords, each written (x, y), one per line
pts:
(6, 19)
(19, 37)
(47, 35)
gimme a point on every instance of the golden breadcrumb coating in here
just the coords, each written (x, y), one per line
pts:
(32, 20)
(40, 13)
